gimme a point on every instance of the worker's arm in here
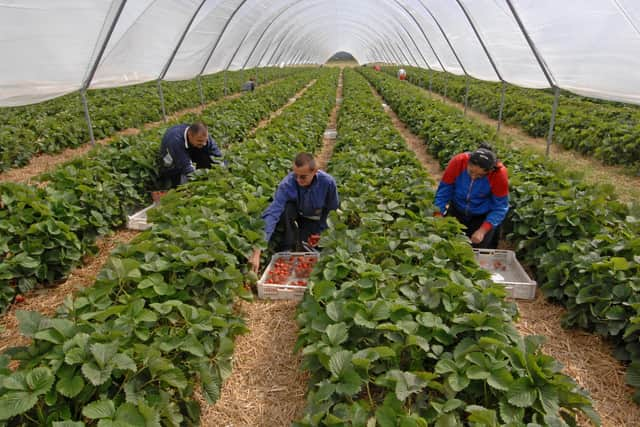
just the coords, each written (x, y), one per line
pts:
(331, 204)
(446, 188)
(214, 150)
(272, 214)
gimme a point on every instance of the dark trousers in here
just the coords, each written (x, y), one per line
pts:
(292, 230)
(167, 182)
(473, 222)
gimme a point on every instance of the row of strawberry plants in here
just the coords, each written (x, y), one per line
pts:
(46, 231)
(401, 327)
(57, 124)
(608, 131)
(130, 350)
(582, 244)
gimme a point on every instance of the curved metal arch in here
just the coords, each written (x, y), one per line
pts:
(382, 4)
(446, 38)
(389, 29)
(224, 29)
(305, 38)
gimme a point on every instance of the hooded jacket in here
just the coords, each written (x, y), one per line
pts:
(487, 195)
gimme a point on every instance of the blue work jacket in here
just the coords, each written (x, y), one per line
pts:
(313, 202)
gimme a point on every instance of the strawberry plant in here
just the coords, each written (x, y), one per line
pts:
(605, 130)
(580, 242)
(401, 326)
(160, 316)
(53, 125)
(47, 231)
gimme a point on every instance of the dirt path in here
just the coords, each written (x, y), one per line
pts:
(266, 388)
(47, 300)
(46, 162)
(627, 187)
(329, 141)
(279, 111)
(586, 357)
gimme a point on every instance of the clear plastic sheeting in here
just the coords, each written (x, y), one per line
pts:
(50, 48)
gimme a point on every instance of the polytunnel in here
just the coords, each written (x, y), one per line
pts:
(52, 48)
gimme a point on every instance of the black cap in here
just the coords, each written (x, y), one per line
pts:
(484, 158)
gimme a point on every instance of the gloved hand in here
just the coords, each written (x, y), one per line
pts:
(313, 240)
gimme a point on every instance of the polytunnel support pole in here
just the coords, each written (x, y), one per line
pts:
(255, 46)
(554, 109)
(163, 73)
(225, 82)
(85, 106)
(466, 94)
(200, 90)
(94, 67)
(504, 87)
(161, 95)
(215, 45)
(543, 67)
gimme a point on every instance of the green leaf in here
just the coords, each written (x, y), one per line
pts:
(95, 374)
(407, 383)
(68, 424)
(128, 415)
(633, 374)
(481, 415)
(70, 386)
(40, 380)
(30, 322)
(457, 381)
(337, 333)
(521, 393)
(49, 335)
(175, 378)
(99, 409)
(15, 403)
(340, 361)
(448, 420)
(123, 362)
(500, 379)
(620, 263)
(211, 382)
(103, 353)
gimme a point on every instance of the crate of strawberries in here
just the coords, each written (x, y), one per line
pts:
(287, 275)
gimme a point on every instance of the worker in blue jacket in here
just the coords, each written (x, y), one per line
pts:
(475, 190)
(300, 207)
(184, 149)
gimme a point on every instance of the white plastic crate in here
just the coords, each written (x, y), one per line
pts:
(506, 270)
(138, 221)
(285, 287)
(330, 134)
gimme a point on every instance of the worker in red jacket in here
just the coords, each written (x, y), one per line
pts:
(475, 190)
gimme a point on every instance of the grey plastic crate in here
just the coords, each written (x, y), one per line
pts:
(285, 290)
(506, 270)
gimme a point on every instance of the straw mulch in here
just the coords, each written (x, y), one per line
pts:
(328, 143)
(586, 357)
(266, 387)
(46, 300)
(279, 111)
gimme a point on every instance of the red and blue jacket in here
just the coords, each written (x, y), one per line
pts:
(487, 195)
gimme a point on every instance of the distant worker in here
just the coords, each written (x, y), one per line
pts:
(300, 207)
(376, 67)
(184, 149)
(250, 85)
(475, 190)
(402, 74)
